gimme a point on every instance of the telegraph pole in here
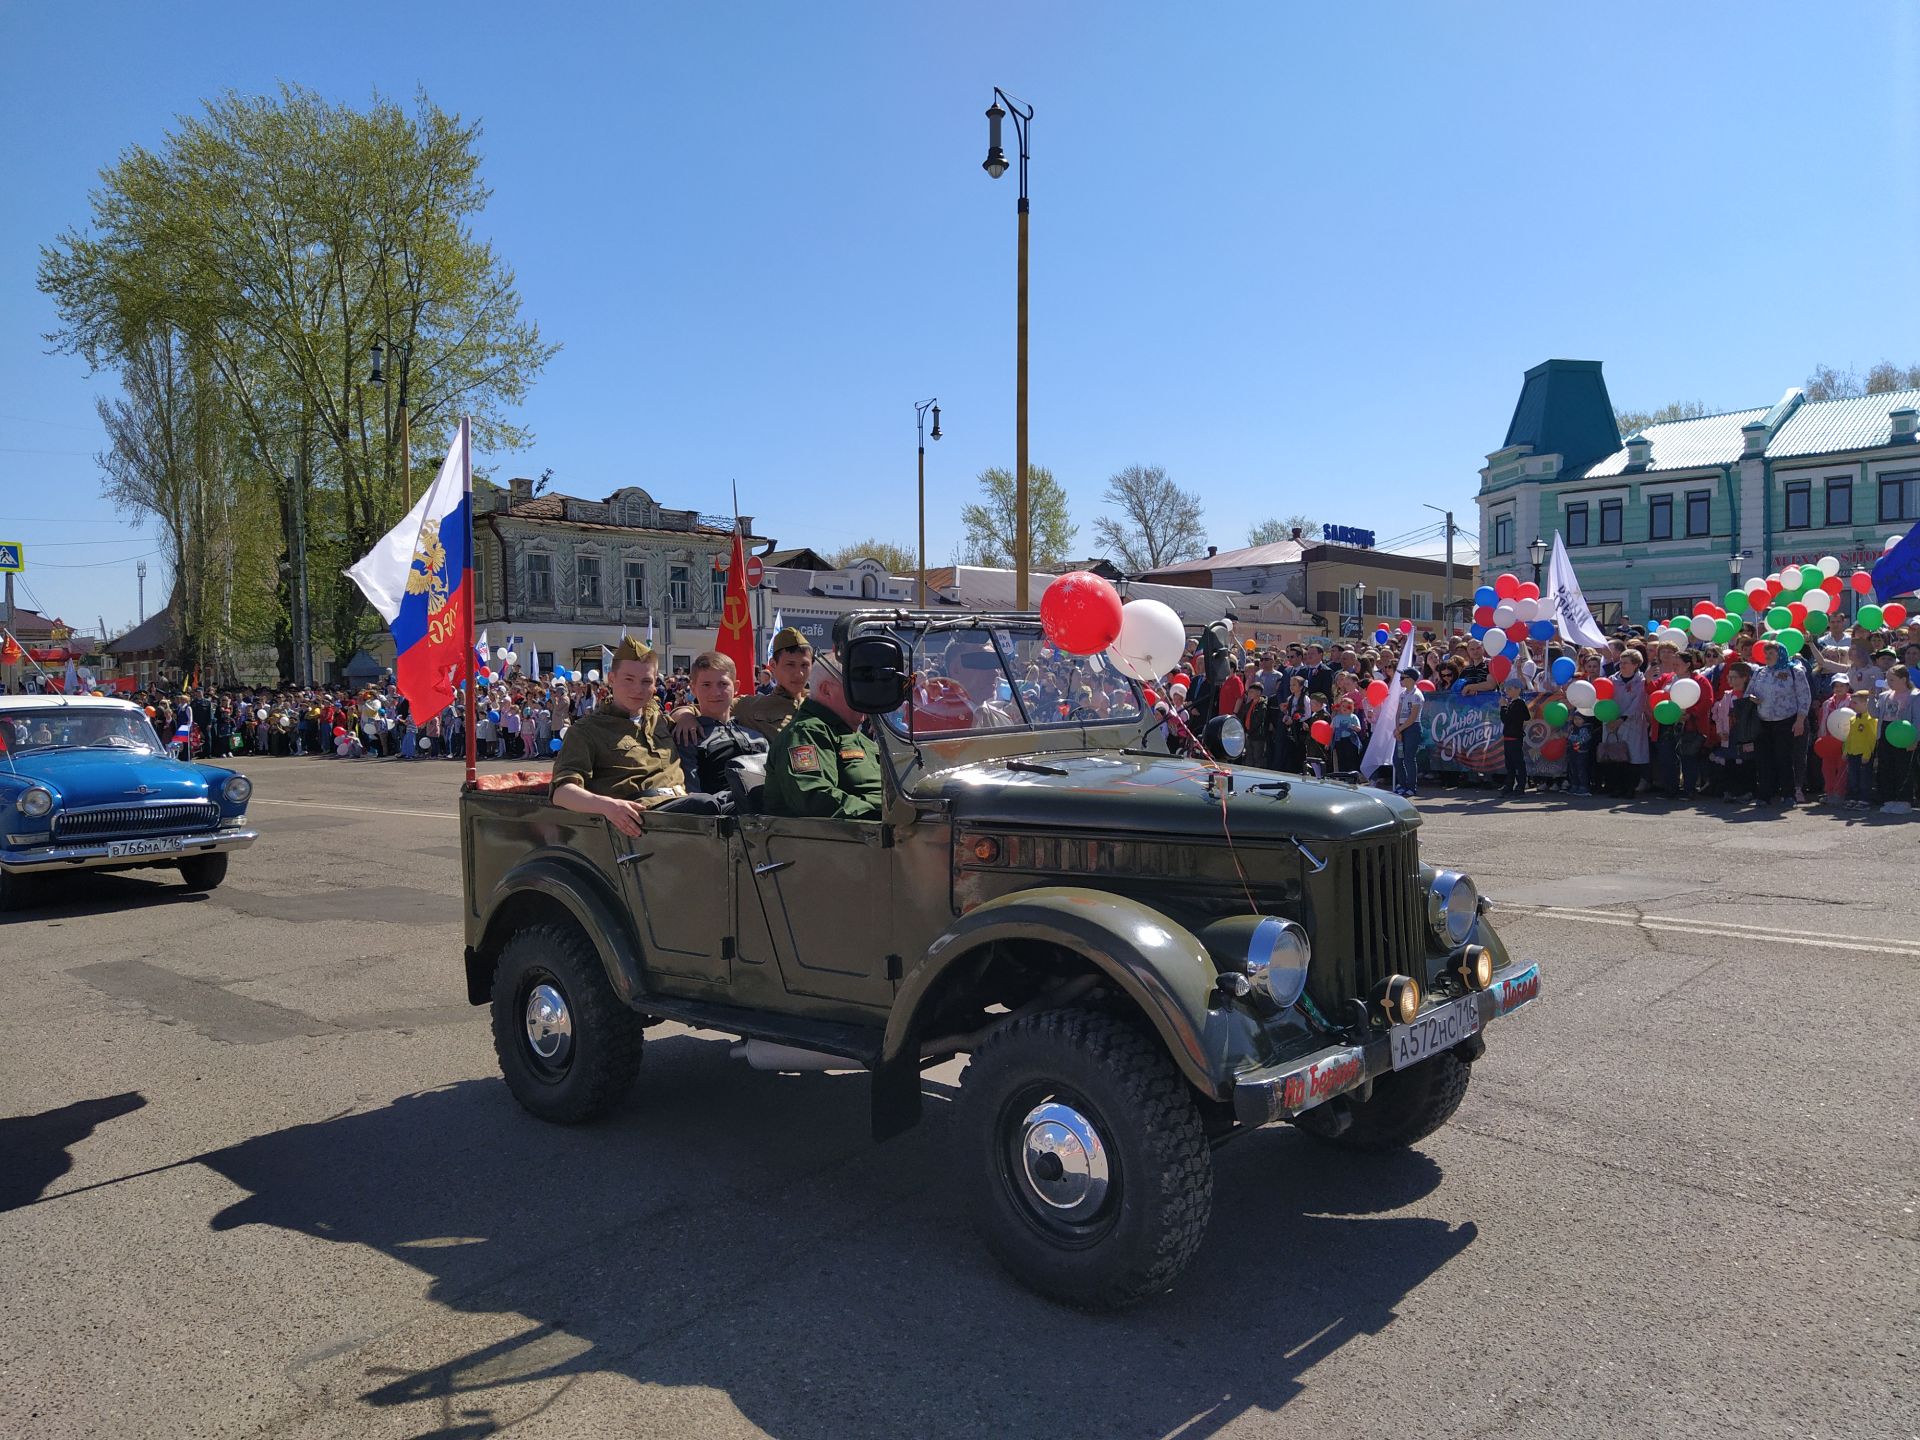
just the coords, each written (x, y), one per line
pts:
(1446, 605)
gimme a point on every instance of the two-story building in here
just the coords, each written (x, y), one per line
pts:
(568, 575)
(1682, 511)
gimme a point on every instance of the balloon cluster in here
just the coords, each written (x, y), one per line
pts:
(1794, 604)
(1380, 636)
(1081, 614)
(1508, 612)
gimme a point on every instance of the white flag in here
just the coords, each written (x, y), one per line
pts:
(1380, 747)
(1564, 600)
(533, 661)
(606, 663)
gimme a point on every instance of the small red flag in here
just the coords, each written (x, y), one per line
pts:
(736, 617)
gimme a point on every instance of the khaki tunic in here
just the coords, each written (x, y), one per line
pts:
(769, 714)
(610, 752)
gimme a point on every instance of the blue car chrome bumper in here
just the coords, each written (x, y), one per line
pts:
(100, 854)
(1280, 1092)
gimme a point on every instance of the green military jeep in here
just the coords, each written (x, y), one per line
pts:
(1140, 954)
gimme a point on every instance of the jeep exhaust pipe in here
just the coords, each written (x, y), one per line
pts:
(765, 1055)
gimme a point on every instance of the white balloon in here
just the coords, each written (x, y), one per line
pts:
(1702, 627)
(1529, 669)
(499, 652)
(1504, 614)
(1151, 641)
(594, 676)
(512, 658)
(1495, 642)
(1790, 578)
(1525, 609)
(1839, 721)
(1829, 565)
(1582, 696)
(1893, 540)
(1684, 691)
(1817, 599)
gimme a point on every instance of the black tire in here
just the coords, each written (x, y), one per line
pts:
(1407, 1106)
(12, 892)
(1159, 1190)
(204, 872)
(603, 1046)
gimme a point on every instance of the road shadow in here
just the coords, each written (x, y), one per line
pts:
(739, 1232)
(93, 892)
(35, 1150)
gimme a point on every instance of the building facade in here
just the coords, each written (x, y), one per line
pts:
(1683, 511)
(1338, 589)
(568, 575)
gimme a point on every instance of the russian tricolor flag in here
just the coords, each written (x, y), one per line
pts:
(419, 576)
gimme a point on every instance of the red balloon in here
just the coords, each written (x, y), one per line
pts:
(1828, 747)
(1321, 731)
(1603, 688)
(1483, 615)
(1774, 587)
(1861, 581)
(339, 732)
(1529, 590)
(1152, 695)
(1799, 613)
(1757, 598)
(1833, 585)
(1499, 668)
(1406, 627)
(1759, 652)
(1554, 748)
(1656, 697)
(1507, 587)
(1893, 614)
(1080, 613)
(1377, 693)
(1705, 607)
(1517, 630)
(1425, 687)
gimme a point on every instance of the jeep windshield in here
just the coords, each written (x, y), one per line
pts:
(978, 678)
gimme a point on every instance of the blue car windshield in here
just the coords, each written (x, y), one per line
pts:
(24, 732)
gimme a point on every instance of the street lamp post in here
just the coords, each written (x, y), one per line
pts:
(996, 165)
(920, 426)
(405, 351)
(1537, 552)
(1734, 563)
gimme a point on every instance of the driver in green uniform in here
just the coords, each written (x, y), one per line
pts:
(821, 764)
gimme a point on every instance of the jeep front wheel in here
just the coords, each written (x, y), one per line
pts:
(1407, 1106)
(569, 1050)
(1084, 1161)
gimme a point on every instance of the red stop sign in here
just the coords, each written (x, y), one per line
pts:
(756, 571)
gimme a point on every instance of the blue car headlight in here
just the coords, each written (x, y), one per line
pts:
(34, 801)
(236, 790)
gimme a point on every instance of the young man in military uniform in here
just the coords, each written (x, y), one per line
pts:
(722, 738)
(821, 765)
(769, 714)
(618, 761)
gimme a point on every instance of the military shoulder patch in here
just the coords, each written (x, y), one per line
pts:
(804, 759)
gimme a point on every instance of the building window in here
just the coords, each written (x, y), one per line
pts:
(1839, 502)
(1699, 513)
(1607, 613)
(1900, 496)
(636, 584)
(1422, 606)
(1387, 603)
(1800, 505)
(1576, 527)
(1610, 522)
(1503, 534)
(678, 585)
(539, 579)
(589, 572)
(1349, 600)
(1660, 518)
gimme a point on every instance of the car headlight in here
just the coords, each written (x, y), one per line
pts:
(1277, 958)
(34, 802)
(237, 789)
(1453, 900)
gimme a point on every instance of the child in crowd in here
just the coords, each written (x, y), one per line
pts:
(1833, 766)
(1736, 722)
(1347, 735)
(1862, 736)
(1319, 756)
(1890, 762)
(1514, 714)
(1580, 739)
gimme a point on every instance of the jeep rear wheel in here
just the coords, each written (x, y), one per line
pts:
(568, 1049)
(1084, 1162)
(1407, 1106)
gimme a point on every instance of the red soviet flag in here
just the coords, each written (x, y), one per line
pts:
(736, 617)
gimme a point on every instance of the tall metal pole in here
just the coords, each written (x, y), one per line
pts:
(406, 424)
(996, 165)
(1446, 605)
(303, 604)
(140, 574)
(920, 427)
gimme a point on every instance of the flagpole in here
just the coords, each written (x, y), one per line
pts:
(473, 598)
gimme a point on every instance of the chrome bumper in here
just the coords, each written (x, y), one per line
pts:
(94, 856)
(1280, 1092)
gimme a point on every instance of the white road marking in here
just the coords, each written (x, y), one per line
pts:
(360, 809)
(1870, 944)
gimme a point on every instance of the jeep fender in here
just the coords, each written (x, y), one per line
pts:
(1157, 963)
(560, 877)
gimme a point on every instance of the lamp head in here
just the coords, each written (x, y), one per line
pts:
(379, 353)
(936, 422)
(996, 162)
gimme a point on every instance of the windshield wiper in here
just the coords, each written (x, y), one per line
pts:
(1035, 767)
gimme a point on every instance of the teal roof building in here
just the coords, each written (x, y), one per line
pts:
(1681, 512)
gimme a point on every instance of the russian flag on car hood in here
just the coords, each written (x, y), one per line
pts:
(419, 576)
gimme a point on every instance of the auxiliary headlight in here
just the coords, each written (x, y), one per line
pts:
(1452, 903)
(1399, 996)
(34, 802)
(1476, 967)
(237, 789)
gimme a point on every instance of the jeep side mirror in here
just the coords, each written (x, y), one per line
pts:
(876, 673)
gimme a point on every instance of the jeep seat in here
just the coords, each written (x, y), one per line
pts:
(746, 775)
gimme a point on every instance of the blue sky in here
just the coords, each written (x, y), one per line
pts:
(1298, 255)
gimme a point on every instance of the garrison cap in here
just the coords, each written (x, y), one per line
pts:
(631, 649)
(790, 638)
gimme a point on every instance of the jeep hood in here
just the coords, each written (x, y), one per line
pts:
(1158, 795)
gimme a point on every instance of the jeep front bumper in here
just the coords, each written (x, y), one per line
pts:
(1280, 1092)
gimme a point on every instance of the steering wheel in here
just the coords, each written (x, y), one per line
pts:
(941, 705)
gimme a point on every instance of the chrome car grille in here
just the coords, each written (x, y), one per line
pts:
(1377, 885)
(160, 817)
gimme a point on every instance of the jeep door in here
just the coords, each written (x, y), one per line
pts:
(815, 905)
(678, 879)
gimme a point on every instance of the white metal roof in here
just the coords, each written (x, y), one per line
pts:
(67, 702)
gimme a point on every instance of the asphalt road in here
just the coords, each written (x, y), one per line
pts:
(258, 1176)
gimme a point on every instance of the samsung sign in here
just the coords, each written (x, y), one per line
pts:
(1347, 535)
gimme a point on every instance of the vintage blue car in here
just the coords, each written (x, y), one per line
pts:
(85, 784)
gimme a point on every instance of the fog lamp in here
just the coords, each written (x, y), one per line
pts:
(1476, 967)
(1399, 996)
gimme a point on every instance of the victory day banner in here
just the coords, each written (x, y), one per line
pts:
(1460, 735)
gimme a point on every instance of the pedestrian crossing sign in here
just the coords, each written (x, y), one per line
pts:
(13, 555)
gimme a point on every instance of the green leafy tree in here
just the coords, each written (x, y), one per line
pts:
(1272, 532)
(1633, 421)
(1158, 524)
(278, 237)
(899, 559)
(989, 525)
